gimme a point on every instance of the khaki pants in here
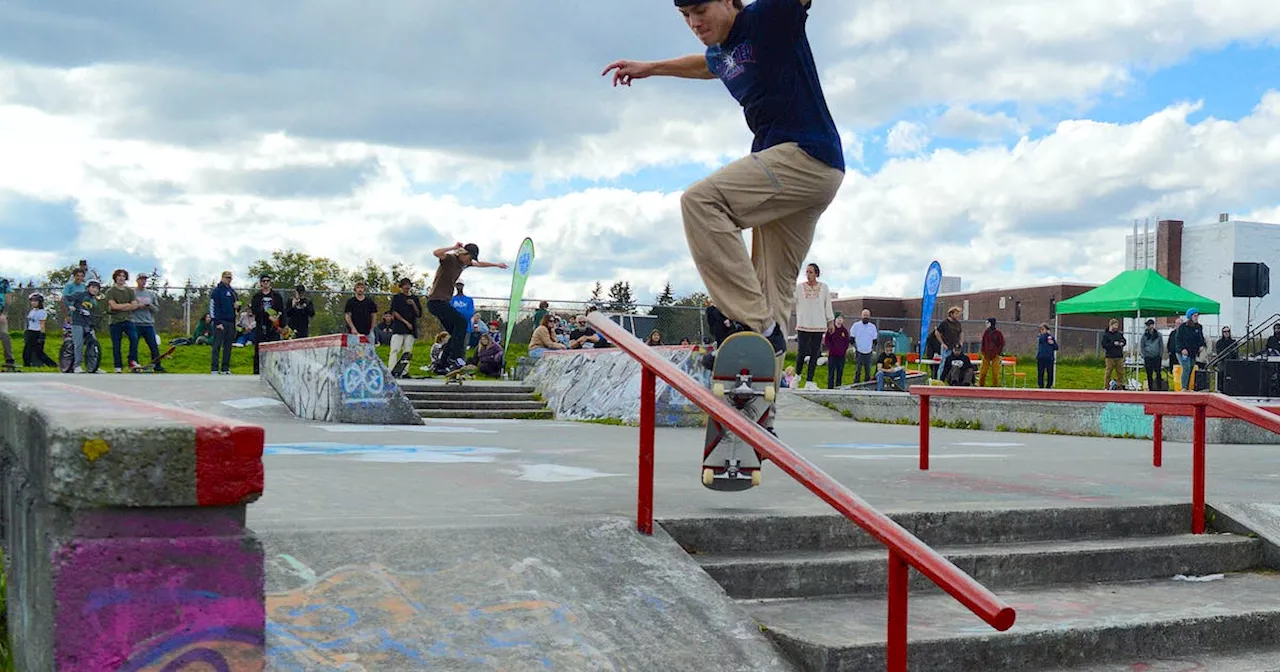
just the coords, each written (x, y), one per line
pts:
(989, 365)
(780, 193)
(400, 344)
(1115, 366)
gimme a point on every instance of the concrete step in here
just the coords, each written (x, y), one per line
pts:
(468, 404)
(1072, 625)
(758, 534)
(1252, 660)
(437, 385)
(544, 414)
(998, 567)
(475, 396)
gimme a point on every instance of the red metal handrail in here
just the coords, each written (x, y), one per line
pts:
(1198, 405)
(904, 548)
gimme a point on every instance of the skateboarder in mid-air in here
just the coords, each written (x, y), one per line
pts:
(453, 261)
(761, 53)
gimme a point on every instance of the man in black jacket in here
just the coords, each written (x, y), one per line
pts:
(299, 313)
(1190, 341)
(1113, 342)
(267, 307)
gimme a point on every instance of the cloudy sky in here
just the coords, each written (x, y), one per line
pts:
(1012, 140)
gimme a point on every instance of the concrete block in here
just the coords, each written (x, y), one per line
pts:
(598, 384)
(124, 533)
(336, 378)
(1119, 420)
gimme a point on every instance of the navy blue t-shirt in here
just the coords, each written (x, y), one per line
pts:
(767, 65)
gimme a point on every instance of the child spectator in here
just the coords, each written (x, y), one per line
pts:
(836, 341)
(84, 316)
(33, 342)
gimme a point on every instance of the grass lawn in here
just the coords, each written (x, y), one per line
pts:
(196, 358)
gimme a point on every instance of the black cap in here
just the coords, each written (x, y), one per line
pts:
(991, 320)
(472, 250)
(1150, 322)
(300, 289)
(264, 276)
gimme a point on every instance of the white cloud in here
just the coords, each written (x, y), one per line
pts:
(906, 137)
(963, 122)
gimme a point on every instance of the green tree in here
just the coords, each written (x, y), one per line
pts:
(666, 298)
(289, 268)
(695, 299)
(419, 278)
(376, 277)
(595, 293)
(620, 298)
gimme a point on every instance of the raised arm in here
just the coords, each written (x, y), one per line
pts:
(441, 251)
(693, 66)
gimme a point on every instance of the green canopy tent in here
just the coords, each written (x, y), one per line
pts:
(1135, 294)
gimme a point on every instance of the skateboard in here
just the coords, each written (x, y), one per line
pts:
(745, 375)
(456, 377)
(10, 368)
(151, 366)
(402, 366)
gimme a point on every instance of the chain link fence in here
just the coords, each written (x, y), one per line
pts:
(181, 308)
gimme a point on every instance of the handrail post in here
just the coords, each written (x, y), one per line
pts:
(644, 507)
(1157, 429)
(896, 650)
(1197, 470)
(924, 432)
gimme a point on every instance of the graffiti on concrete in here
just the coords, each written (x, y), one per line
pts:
(1127, 420)
(304, 380)
(598, 384)
(389, 453)
(153, 604)
(372, 617)
(363, 377)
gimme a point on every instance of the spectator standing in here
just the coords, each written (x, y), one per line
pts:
(1113, 342)
(992, 348)
(1190, 342)
(1046, 353)
(1152, 349)
(950, 332)
(33, 353)
(267, 306)
(359, 311)
(813, 315)
(837, 344)
(300, 312)
(144, 319)
(222, 311)
(1226, 344)
(1172, 346)
(73, 289)
(84, 316)
(5, 340)
(121, 302)
(405, 311)
(865, 335)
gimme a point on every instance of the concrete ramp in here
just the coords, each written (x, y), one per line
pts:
(588, 596)
(336, 378)
(605, 384)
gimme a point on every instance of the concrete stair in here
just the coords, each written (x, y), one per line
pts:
(476, 400)
(1093, 588)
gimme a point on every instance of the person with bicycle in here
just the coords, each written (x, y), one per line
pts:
(84, 316)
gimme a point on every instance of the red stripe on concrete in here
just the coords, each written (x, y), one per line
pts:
(329, 341)
(228, 452)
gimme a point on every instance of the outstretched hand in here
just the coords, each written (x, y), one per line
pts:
(625, 71)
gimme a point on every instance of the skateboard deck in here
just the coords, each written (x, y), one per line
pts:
(745, 375)
(402, 366)
(456, 377)
(150, 367)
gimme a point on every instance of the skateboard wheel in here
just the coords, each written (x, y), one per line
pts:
(755, 475)
(708, 476)
(770, 394)
(717, 389)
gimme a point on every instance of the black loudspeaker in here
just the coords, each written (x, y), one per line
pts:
(1250, 279)
(1244, 378)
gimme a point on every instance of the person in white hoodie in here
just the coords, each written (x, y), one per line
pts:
(814, 315)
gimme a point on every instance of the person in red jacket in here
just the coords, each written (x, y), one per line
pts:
(992, 348)
(836, 341)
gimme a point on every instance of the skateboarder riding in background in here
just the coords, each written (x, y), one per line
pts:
(453, 261)
(761, 53)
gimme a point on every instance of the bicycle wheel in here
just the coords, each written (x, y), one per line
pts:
(92, 355)
(67, 355)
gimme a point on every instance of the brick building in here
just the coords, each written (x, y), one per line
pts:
(1019, 310)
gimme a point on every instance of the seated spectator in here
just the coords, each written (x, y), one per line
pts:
(489, 355)
(788, 377)
(542, 340)
(382, 333)
(202, 335)
(437, 348)
(244, 328)
(887, 366)
(958, 369)
(583, 336)
(478, 328)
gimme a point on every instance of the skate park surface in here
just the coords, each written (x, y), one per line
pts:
(518, 536)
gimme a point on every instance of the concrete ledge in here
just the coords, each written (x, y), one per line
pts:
(597, 384)
(124, 532)
(336, 378)
(1085, 419)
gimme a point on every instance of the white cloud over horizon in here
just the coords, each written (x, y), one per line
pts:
(208, 158)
